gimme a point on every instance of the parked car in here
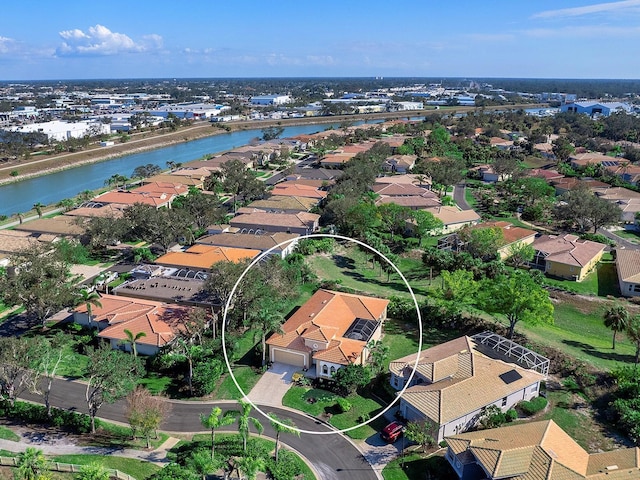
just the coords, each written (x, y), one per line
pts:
(392, 432)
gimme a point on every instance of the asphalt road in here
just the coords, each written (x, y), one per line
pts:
(332, 456)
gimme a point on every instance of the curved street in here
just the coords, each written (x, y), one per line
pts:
(333, 456)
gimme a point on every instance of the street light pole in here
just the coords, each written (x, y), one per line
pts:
(402, 452)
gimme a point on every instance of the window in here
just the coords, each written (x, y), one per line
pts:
(325, 370)
(333, 370)
(395, 381)
(636, 287)
(504, 402)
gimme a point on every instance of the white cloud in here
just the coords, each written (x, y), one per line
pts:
(99, 40)
(584, 31)
(588, 9)
(7, 45)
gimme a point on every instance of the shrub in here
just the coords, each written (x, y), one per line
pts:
(343, 405)
(534, 406)
(511, 415)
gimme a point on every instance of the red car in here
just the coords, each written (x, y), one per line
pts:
(392, 432)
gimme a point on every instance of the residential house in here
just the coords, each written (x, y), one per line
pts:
(169, 289)
(566, 256)
(545, 149)
(302, 223)
(399, 163)
(456, 381)
(124, 197)
(406, 194)
(61, 226)
(330, 331)
(488, 174)
(185, 180)
(535, 451)
(97, 209)
(626, 172)
(284, 204)
(583, 160)
(13, 241)
(627, 200)
(628, 267)
(201, 257)
(563, 185)
(453, 218)
(298, 190)
(501, 143)
(423, 181)
(335, 160)
(545, 174)
(511, 237)
(282, 243)
(158, 321)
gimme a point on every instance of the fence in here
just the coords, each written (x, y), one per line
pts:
(66, 467)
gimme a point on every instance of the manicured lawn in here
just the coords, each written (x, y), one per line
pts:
(8, 434)
(601, 282)
(469, 197)
(324, 402)
(352, 268)
(244, 363)
(630, 235)
(136, 468)
(415, 467)
(155, 383)
(112, 435)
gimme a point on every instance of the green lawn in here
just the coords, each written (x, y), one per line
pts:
(469, 197)
(353, 268)
(324, 402)
(244, 365)
(112, 435)
(601, 282)
(8, 434)
(415, 467)
(136, 468)
(630, 235)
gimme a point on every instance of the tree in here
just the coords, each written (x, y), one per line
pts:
(580, 206)
(562, 148)
(240, 182)
(18, 356)
(183, 349)
(616, 318)
(245, 420)
(201, 463)
(518, 298)
(282, 426)
(520, 254)
(173, 471)
(31, 464)
(110, 375)
(132, 339)
(271, 133)
(421, 433)
(146, 171)
(38, 208)
(145, 412)
(216, 419)
(458, 287)
(250, 466)
(482, 243)
(394, 217)
(93, 471)
(351, 377)
(40, 283)
(444, 172)
(89, 299)
(378, 356)
(633, 332)
(425, 222)
(267, 321)
(50, 354)
(116, 180)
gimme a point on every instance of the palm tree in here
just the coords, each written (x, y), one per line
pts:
(617, 319)
(38, 208)
(89, 299)
(132, 339)
(250, 466)
(31, 464)
(282, 426)
(244, 420)
(214, 421)
(268, 321)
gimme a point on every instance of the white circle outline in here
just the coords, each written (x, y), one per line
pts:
(224, 327)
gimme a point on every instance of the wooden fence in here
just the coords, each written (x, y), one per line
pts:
(66, 467)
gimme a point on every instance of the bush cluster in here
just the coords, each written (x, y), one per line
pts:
(534, 406)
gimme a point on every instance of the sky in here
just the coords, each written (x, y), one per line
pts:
(87, 39)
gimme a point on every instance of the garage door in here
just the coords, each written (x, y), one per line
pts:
(289, 358)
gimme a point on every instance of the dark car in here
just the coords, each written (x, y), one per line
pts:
(392, 432)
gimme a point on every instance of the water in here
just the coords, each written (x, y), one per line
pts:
(50, 189)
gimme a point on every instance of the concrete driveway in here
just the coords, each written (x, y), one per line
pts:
(273, 385)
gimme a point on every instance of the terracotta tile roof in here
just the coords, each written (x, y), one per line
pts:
(116, 309)
(413, 201)
(298, 190)
(204, 256)
(541, 451)
(285, 202)
(94, 209)
(568, 183)
(129, 198)
(200, 172)
(410, 178)
(12, 241)
(284, 220)
(337, 158)
(168, 188)
(402, 189)
(568, 249)
(510, 233)
(628, 265)
(326, 317)
(545, 174)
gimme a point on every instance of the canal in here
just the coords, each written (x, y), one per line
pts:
(50, 189)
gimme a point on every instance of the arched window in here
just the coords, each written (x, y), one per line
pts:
(333, 370)
(325, 370)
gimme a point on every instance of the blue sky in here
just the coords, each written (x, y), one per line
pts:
(73, 39)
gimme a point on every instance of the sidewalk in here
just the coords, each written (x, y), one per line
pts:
(59, 447)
